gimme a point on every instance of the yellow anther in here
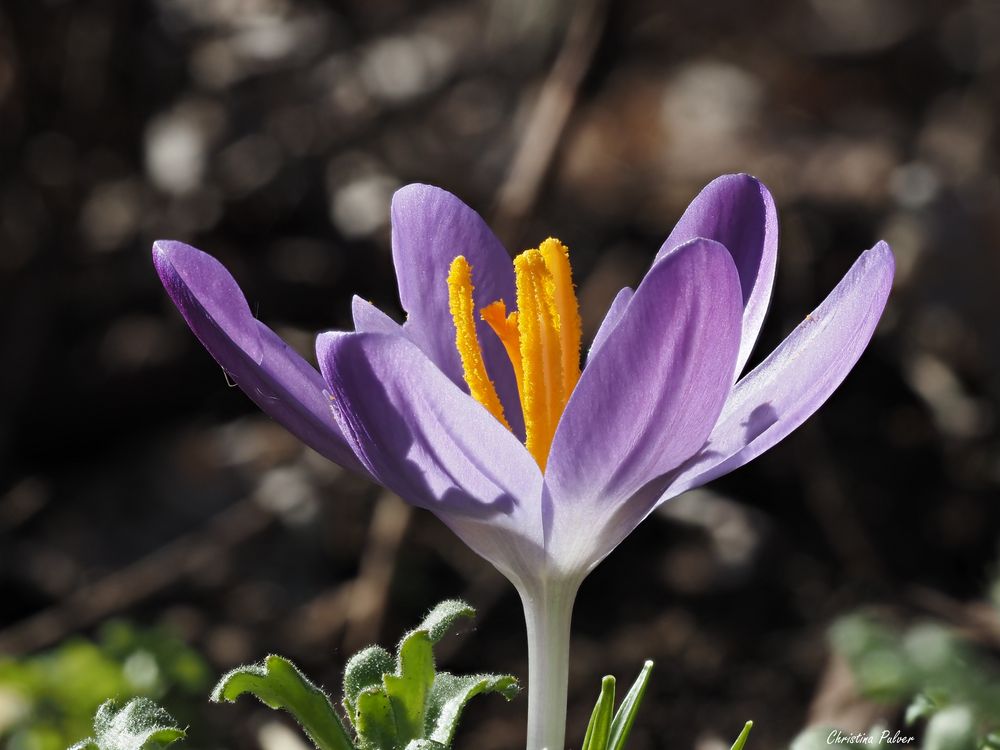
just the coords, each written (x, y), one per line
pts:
(462, 308)
(540, 356)
(556, 256)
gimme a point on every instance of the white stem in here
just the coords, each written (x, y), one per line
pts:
(548, 611)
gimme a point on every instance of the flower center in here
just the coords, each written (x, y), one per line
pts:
(541, 337)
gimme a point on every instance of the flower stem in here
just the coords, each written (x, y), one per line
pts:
(548, 611)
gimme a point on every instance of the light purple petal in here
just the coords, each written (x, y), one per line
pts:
(647, 400)
(277, 379)
(369, 319)
(611, 319)
(425, 439)
(798, 376)
(430, 227)
(738, 211)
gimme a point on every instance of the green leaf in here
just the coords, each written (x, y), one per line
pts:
(138, 725)
(950, 729)
(622, 724)
(403, 704)
(742, 739)
(409, 689)
(599, 728)
(451, 693)
(440, 619)
(278, 683)
(920, 708)
(364, 671)
(376, 724)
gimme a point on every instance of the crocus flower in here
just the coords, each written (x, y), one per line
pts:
(477, 407)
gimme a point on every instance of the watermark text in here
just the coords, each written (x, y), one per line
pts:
(836, 737)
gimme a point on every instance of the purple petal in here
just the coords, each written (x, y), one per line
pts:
(794, 381)
(611, 320)
(425, 439)
(647, 400)
(369, 319)
(738, 211)
(277, 379)
(430, 227)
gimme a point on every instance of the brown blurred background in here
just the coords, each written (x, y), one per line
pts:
(134, 482)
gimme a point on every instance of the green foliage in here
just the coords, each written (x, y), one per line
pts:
(608, 730)
(400, 703)
(393, 707)
(138, 725)
(410, 686)
(450, 694)
(48, 701)
(944, 683)
(364, 671)
(278, 683)
(599, 728)
(742, 739)
(951, 728)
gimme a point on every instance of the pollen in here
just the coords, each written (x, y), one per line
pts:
(462, 309)
(541, 338)
(556, 257)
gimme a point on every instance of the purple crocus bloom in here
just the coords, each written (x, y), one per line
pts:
(439, 409)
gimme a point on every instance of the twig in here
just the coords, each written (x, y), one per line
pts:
(370, 590)
(356, 607)
(318, 620)
(825, 496)
(548, 119)
(186, 555)
(978, 620)
(837, 701)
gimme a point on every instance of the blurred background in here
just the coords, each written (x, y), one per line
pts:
(156, 530)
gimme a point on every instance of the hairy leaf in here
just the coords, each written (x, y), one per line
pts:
(138, 725)
(278, 683)
(364, 671)
(451, 693)
(375, 724)
(410, 687)
(440, 619)
(426, 745)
